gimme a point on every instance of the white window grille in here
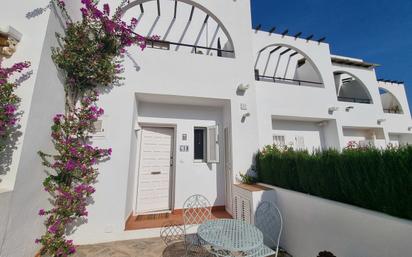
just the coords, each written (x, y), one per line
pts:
(279, 140)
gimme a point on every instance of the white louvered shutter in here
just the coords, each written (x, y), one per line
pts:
(213, 144)
(241, 209)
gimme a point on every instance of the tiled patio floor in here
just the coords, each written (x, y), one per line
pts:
(151, 247)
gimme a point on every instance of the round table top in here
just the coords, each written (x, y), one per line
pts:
(229, 234)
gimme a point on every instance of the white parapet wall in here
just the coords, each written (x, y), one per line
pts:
(313, 224)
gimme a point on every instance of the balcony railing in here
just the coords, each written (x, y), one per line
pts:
(354, 100)
(294, 81)
(165, 45)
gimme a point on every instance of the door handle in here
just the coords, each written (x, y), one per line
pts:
(155, 172)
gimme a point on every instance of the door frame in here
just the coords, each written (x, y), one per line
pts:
(228, 174)
(172, 178)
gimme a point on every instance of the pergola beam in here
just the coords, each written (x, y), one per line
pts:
(207, 17)
(322, 39)
(141, 8)
(298, 34)
(310, 37)
(258, 27)
(284, 52)
(272, 30)
(274, 50)
(158, 7)
(285, 32)
(175, 11)
(191, 13)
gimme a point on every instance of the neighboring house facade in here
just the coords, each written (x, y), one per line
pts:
(192, 112)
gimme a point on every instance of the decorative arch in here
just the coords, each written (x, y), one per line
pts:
(288, 64)
(349, 88)
(390, 103)
(183, 24)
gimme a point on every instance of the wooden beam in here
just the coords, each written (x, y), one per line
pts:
(141, 8)
(158, 7)
(285, 32)
(207, 17)
(322, 39)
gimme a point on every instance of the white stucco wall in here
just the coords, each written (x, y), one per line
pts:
(29, 49)
(28, 196)
(311, 132)
(313, 224)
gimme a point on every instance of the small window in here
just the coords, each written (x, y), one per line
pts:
(199, 144)
(206, 144)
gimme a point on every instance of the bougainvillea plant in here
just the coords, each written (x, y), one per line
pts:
(93, 48)
(70, 185)
(9, 102)
(90, 58)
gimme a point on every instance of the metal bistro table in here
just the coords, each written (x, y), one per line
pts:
(231, 235)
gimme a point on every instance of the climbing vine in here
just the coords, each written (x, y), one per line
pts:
(90, 58)
(9, 102)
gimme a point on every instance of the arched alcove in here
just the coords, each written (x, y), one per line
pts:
(350, 88)
(286, 64)
(389, 102)
(182, 25)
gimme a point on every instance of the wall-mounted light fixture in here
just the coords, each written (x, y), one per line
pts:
(349, 108)
(244, 116)
(380, 121)
(9, 38)
(333, 109)
(243, 87)
(410, 128)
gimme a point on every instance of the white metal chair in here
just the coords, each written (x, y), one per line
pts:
(196, 210)
(268, 219)
(173, 236)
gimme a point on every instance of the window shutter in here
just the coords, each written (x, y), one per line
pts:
(212, 144)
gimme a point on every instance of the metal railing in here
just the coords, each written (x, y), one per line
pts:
(354, 100)
(166, 45)
(294, 81)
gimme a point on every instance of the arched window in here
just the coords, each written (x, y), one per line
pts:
(351, 89)
(389, 102)
(181, 25)
(286, 64)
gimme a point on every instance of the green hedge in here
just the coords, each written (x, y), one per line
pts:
(379, 180)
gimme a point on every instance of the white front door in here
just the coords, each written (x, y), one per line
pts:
(155, 170)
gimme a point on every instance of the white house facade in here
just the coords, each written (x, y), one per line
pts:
(192, 112)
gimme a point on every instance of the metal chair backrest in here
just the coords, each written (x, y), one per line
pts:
(172, 233)
(196, 210)
(268, 219)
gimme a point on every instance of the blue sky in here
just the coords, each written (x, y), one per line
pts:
(378, 31)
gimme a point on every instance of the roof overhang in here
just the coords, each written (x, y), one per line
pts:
(354, 63)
